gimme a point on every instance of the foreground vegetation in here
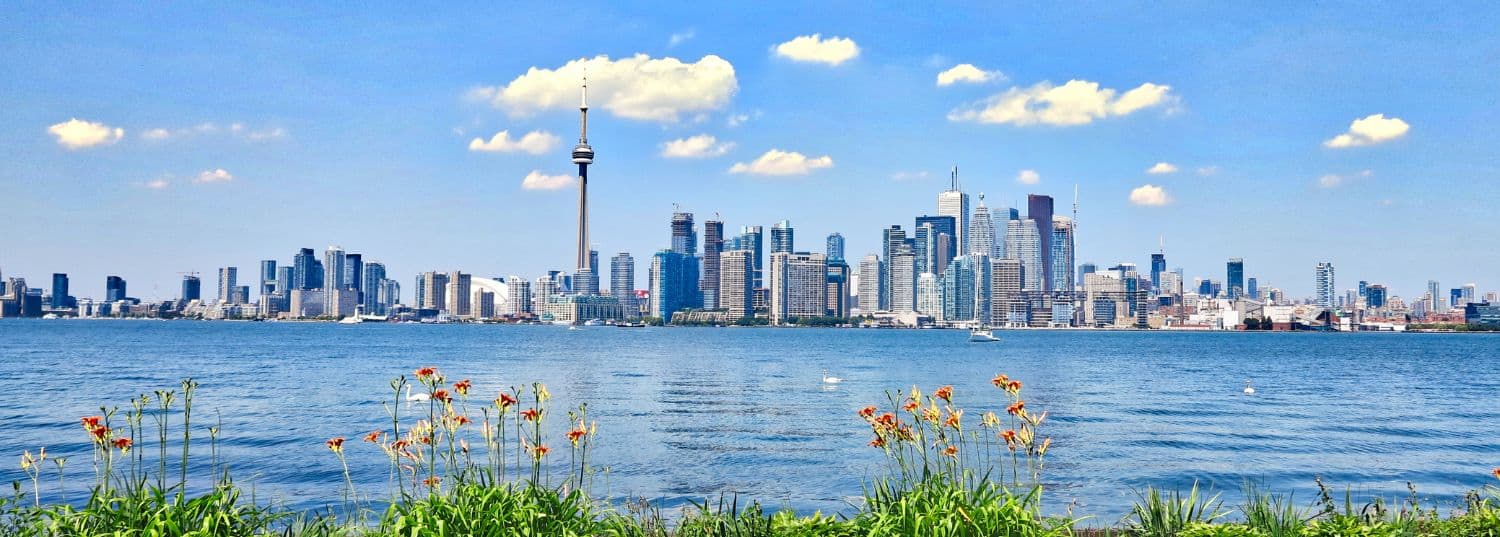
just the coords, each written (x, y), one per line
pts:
(490, 468)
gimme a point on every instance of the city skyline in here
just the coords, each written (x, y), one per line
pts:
(229, 173)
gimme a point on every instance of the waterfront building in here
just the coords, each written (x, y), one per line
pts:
(958, 290)
(241, 295)
(835, 251)
(60, 298)
(518, 296)
(622, 281)
(782, 237)
(1438, 305)
(942, 242)
(585, 282)
(267, 278)
(713, 244)
(390, 295)
(434, 291)
(285, 275)
(192, 288)
(307, 303)
(114, 289)
(1158, 266)
(1235, 279)
(1039, 211)
(483, 304)
(753, 238)
(1468, 294)
(228, 277)
(684, 237)
(981, 232)
(1171, 286)
(983, 287)
(1023, 242)
(576, 309)
(1007, 299)
(954, 203)
(343, 302)
(1482, 313)
(929, 295)
(374, 275)
(799, 285)
(736, 283)
(333, 277)
(460, 289)
(903, 282)
(893, 242)
(1062, 254)
(1375, 296)
(870, 292)
(674, 283)
(924, 246)
(1323, 285)
(305, 273)
(1252, 288)
(837, 293)
(545, 287)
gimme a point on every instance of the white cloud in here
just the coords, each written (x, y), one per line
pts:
(269, 134)
(967, 72)
(1334, 180)
(700, 146)
(239, 130)
(1162, 168)
(218, 175)
(1149, 195)
(679, 37)
(778, 162)
(156, 184)
(1370, 130)
(638, 87)
(537, 180)
(156, 134)
(534, 142)
(1028, 177)
(813, 48)
(1208, 170)
(911, 176)
(1077, 102)
(78, 134)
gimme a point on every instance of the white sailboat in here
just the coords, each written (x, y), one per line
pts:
(982, 335)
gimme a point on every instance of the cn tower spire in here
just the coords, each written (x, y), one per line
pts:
(583, 155)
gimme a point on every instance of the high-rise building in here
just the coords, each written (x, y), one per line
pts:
(684, 237)
(286, 275)
(583, 156)
(60, 292)
(955, 203)
(1062, 254)
(672, 288)
(1236, 277)
(1023, 242)
(541, 290)
(333, 278)
(192, 288)
(958, 290)
(354, 274)
(304, 271)
(753, 238)
(1039, 210)
(1375, 296)
(871, 276)
(903, 282)
(372, 279)
(1158, 266)
(482, 304)
(460, 290)
(114, 289)
(835, 251)
(924, 248)
(981, 232)
(433, 291)
(781, 237)
(942, 245)
(622, 281)
(267, 278)
(1434, 294)
(1007, 301)
(1470, 292)
(736, 283)
(799, 285)
(837, 294)
(1325, 289)
(892, 243)
(228, 283)
(1252, 288)
(519, 290)
(929, 295)
(713, 244)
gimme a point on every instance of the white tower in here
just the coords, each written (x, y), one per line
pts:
(583, 155)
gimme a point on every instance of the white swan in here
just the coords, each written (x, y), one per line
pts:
(416, 397)
(1249, 390)
(830, 380)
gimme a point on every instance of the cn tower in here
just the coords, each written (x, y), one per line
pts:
(583, 155)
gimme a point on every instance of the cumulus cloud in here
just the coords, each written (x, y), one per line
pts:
(1028, 177)
(700, 146)
(1162, 168)
(814, 49)
(638, 87)
(78, 134)
(778, 162)
(1334, 180)
(218, 175)
(534, 142)
(1370, 130)
(537, 180)
(967, 72)
(1149, 195)
(1077, 102)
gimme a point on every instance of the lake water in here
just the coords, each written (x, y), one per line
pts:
(689, 413)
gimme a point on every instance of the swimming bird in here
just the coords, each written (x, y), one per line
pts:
(830, 380)
(416, 397)
(1249, 390)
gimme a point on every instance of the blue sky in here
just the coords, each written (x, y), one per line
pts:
(213, 135)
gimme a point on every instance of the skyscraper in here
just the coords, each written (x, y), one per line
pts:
(1252, 289)
(59, 291)
(713, 243)
(460, 287)
(871, 275)
(372, 279)
(753, 238)
(267, 278)
(1434, 294)
(1023, 243)
(981, 232)
(583, 155)
(228, 282)
(671, 288)
(285, 276)
(958, 290)
(684, 237)
(929, 295)
(354, 274)
(519, 290)
(192, 288)
(892, 243)
(903, 282)
(839, 279)
(955, 203)
(1158, 266)
(943, 242)
(1236, 277)
(304, 274)
(622, 278)
(798, 285)
(924, 248)
(1062, 254)
(835, 251)
(433, 291)
(1375, 296)
(333, 278)
(781, 237)
(1006, 280)
(1039, 210)
(1326, 291)
(736, 280)
(114, 289)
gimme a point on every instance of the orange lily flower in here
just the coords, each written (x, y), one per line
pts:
(462, 387)
(945, 393)
(123, 444)
(336, 444)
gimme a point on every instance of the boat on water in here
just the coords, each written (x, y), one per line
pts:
(352, 319)
(594, 322)
(982, 335)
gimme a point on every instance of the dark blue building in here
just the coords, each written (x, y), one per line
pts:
(1236, 277)
(60, 298)
(114, 289)
(307, 271)
(1482, 313)
(945, 241)
(1158, 266)
(192, 288)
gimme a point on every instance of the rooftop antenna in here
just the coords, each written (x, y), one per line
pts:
(1075, 206)
(1162, 244)
(954, 186)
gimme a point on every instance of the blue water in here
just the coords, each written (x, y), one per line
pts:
(687, 413)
